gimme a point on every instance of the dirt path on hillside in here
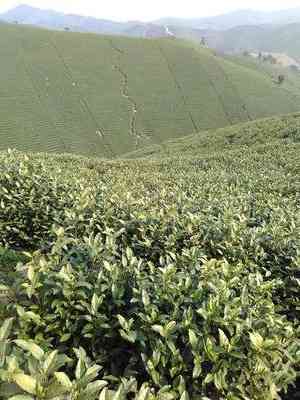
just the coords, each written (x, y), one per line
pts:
(125, 93)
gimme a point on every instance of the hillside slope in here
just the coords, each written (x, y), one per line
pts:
(277, 130)
(269, 38)
(105, 96)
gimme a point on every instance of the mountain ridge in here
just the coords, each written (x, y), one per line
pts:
(236, 18)
(57, 20)
(28, 15)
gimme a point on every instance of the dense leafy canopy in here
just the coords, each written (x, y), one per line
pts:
(166, 279)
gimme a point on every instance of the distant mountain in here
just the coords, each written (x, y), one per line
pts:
(28, 15)
(24, 14)
(235, 32)
(264, 38)
(236, 18)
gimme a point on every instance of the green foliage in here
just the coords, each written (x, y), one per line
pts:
(9, 259)
(217, 334)
(284, 129)
(182, 285)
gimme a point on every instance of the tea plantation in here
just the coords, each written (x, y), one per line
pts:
(168, 278)
(105, 96)
(285, 129)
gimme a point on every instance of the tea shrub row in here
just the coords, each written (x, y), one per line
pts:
(168, 279)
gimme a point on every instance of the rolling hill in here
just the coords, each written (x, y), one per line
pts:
(282, 39)
(282, 130)
(106, 96)
(268, 38)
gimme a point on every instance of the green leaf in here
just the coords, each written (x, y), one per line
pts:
(55, 390)
(143, 393)
(122, 322)
(63, 379)
(50, 362)
(145, 298)
(159, 329)
(104, 395)
(130, 336)
(64, 338)
(31, 273)
(21, 397)
(197, 370)
(185, 396)
(257, 340)
(33, 348)
(95, 304)
(80, 368)
(120, 393)
(208, 379)
(91, 373)
(94, 387)
(170, 328)
(6, 329)
(224, 342)
(193, 339)
(26, 382)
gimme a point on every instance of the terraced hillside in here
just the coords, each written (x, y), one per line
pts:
(106, 96)
(283, 130)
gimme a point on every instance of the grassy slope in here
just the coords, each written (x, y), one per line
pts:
(103, 96)
(284, 129)
(271, 71)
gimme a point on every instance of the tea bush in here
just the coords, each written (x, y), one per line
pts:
(168, 279)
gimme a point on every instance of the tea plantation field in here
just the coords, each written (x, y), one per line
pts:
(105, 96)
(170, 278)
(283, 129)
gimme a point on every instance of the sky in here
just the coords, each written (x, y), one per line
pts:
(148, 10)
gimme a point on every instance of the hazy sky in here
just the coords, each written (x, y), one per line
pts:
(151, 9)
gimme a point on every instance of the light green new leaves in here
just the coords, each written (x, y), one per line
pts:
(63, 379)
(257, 341)
(5, 329)
(26, 382)
(32, 348)
(166, 330)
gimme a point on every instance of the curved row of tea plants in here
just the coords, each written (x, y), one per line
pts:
(285, 129)
(167, 279)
